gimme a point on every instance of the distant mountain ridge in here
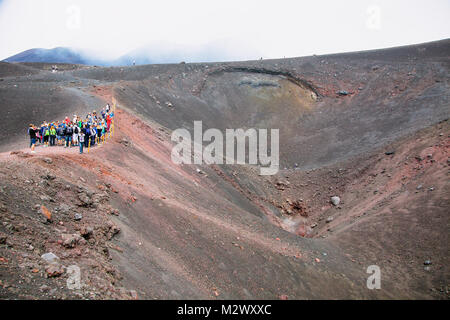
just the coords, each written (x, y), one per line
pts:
(71, 56)
(149, 54)
(139, 56)
(56, 55)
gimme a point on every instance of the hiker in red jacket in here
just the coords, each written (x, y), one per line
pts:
(108, 121)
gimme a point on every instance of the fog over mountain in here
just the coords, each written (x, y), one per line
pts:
(149, 54)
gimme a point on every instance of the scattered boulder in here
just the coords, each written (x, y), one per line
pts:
(44, 198)
(388, 153)
(303, 230)
(44, 288)
(46, 213)
(427, 262)
(48, 160)
(87, 232)
(125, 142)
(342, 92)
(112, 230)
(50, 257)
(78, 217)
(281, 185)
(64, 208)
(299, 207)
(329, 219)
(48, 176)
(86, 201)
(335, 200)
(70, 240)
(134, 295)
(54, 270)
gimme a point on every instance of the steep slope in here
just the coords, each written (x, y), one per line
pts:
(223, 231)
(55, 55)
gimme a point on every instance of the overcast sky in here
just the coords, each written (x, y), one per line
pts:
(229, 29)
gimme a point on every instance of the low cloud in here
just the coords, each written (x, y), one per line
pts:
(204, 30)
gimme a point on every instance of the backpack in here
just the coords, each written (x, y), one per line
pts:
(76, 130)
(69, 131)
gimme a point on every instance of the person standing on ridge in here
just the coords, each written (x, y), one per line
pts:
(52, 135)
(76, 132)
(87, 136)
(108, 121)
(32, 132)
(60, 133)
(46, 133)
(69, 133)
(93, 131)
(81, 141)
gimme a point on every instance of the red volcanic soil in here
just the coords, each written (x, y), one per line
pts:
(141, 227)
(177, 225)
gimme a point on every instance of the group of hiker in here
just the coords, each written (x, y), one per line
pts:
(79, 132)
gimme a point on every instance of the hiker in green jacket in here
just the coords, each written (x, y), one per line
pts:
(52, 135)
(46, 135)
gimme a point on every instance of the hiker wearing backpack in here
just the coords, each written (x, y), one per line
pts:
(89, 119)
(87, 136)
(68, 135)
(52, 135)
(46, 133)
(76, 132)
(93, 131)
(60, 134)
